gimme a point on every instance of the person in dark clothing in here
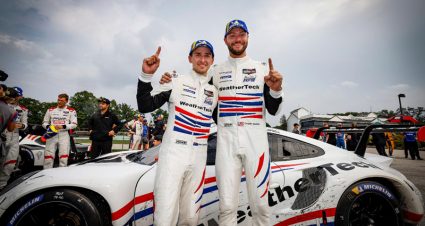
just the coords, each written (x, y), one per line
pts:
(103, 125)
(352, 139)
(411, 145)
(330, 137)
(380, 141)
(159, 126)
(296, 128)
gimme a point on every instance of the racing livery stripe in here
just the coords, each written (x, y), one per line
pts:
(149, 197)
(233, 114)
(251, 94)
(287, 165)
(181, 110)
(280, 170)
(202, 181)
(241, 110)
(265, 176)
(48, 157)
(307, 216)
(193, 129)
(252, 116)
(236, 98)
(204, 124)
(178, 118)
(209, 203)
(9, 162)
(125, 209)
(412, 216)
(260, 165)
(266, 190)
(238, 103)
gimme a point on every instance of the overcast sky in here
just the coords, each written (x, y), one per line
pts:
(335, 55)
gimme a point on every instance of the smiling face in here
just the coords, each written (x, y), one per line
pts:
(62, 102)
(237, 42)
(201, 60)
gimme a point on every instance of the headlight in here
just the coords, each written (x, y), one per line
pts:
(17, 182)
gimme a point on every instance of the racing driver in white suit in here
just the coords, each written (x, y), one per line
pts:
(182, 158)
(12, 138)
(63, 118)
(246, 89)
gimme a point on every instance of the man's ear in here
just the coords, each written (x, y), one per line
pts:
(189, 58)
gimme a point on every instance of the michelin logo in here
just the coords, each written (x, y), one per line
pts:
(24, 208)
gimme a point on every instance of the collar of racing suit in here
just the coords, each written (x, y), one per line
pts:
(200, 78)
(235, 61)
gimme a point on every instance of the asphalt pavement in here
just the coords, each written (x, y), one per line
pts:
(412, 169)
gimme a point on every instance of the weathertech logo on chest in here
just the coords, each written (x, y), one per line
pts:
(182, 103)
(239, 87)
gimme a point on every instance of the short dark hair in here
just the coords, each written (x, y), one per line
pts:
(158, 137)
(296, 124)
(63, 95)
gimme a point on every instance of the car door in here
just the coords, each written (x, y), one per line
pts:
(210, 207)
(302, 184)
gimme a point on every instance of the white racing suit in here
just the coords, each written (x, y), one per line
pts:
(137, 136)
(67, 117)
(242, 137)
(182, 158)
(12, 145)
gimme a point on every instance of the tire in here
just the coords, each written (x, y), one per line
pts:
(59, 207)
(368, 203)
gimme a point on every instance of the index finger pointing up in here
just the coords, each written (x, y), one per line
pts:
(271, 64)
(158, 51)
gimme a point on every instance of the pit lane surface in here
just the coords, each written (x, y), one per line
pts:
(412, 169)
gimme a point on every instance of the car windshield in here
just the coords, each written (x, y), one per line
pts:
(148, 157)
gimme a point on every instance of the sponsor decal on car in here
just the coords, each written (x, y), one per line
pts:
(25, 207)
(372, 187)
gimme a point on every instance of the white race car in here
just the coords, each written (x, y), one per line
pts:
(31, 153)
(312, 183)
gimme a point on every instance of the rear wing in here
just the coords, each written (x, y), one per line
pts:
(366, 131)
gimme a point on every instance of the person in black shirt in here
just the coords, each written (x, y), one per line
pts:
(103, 125)
(159, 126)
(352, 139)
(330, 137)
(379, 140)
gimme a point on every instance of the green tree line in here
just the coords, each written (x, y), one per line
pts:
(84, 102)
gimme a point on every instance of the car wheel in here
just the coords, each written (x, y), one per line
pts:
(59, 207)
(368, 203)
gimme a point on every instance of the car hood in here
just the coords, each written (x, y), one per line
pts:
(114, 157)
(106, 178)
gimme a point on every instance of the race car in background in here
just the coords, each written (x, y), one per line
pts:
(311, 183)
(31, 151)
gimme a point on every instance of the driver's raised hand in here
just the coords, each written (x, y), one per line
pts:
(151, 64)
